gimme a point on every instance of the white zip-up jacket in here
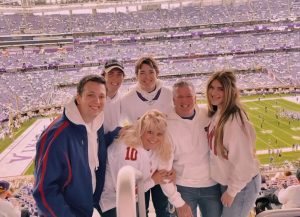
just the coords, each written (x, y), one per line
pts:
(242, 165)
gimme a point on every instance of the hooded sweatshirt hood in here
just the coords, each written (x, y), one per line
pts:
(73, 114)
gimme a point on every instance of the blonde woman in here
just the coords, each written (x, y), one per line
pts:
(144, 146)
(231, 140)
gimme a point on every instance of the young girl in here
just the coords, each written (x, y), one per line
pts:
(144, 146)
(231, 140)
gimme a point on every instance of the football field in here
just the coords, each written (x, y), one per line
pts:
(275, 122)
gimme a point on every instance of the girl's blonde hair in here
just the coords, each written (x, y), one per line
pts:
(231, 106)
(151, 120)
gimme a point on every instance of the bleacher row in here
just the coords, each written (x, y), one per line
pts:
(193, 14)
(38, 89)
(205, 46)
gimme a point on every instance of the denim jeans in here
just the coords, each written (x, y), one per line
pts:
(244, 200)
(208, 199)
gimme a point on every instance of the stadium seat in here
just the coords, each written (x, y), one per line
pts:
(126, 202)
(280, 213)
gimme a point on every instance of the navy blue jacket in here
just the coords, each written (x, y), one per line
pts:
(63, 186)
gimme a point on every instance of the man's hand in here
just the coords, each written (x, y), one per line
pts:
(184, 211)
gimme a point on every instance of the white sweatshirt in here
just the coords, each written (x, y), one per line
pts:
(289, 197)
(191, 152)
(74, 115)
(133, 107)
(112, 113)
(242, 164)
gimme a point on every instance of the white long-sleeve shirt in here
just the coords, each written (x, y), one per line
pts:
(289, 197)
(136, 102)
(191, 152)
(112, 113)
(241, 165)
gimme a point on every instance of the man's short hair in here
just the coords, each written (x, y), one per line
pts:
(113, 64)
(182, 83)
(94, 78)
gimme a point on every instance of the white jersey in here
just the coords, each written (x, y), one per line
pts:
(147, 162)
(119, 155)
(136, 102)
(241, 165)
(112, 113)
(191, 152)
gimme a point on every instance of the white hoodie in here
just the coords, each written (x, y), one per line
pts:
(74, 116)
(242, 165)
(132, 107)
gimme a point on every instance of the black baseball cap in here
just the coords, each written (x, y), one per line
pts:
(113, 64)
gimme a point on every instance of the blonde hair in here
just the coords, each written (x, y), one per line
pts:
(231, 108)
(151, 120)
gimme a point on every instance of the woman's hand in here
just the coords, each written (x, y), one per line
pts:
(226, 199)
(160, 177)
(172, 175)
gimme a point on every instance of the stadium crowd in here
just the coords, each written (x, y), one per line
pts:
(194, 14)
(262, 60)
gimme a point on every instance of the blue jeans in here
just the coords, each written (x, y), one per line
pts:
(208, 200)
(244, 200)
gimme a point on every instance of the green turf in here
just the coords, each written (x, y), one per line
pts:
(273, 131)
(30, 169)
(4, 143)
(290, 156)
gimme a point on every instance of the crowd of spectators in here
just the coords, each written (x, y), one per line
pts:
(192, 14)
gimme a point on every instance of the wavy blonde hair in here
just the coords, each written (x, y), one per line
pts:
(152, 120)
(231, 108)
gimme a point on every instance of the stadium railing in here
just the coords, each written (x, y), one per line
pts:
(280, 213)
(127, 179)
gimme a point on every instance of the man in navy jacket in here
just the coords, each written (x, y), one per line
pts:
(71, 155)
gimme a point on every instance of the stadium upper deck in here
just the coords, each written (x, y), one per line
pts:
(138, 17)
